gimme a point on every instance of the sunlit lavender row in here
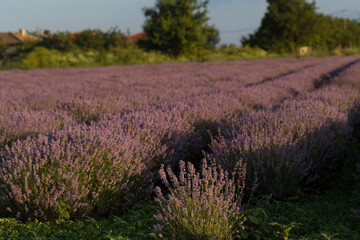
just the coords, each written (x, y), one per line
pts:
(93, 140)
(69, 96)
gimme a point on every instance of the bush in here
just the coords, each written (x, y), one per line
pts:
(90, 39)
(80, 171)
(287, 148)
(62, 41)
(115, 38)
(21, 124)
(202, 205)
(42, 57)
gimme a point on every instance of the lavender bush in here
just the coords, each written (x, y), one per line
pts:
(287, 146)
(18, 125)
(90, 141)
(200, 205)
(89, 170)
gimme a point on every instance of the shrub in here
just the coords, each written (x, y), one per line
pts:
(286, 148)
(202, 205)
(42, 57)
(62, 41)
(79, 171)
(115, 38)
(19, 125)
(90, 39)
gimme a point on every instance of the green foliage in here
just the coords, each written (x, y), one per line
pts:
(232, 52)
(332, 213)
(332, 237)
(257, 225)
(285, 229)
(287, 25)
(114, 38)
(331, 32)
(3, 48)
(179, 27)
(90, 39)
(41, 57)
(63, 210)
(135, 225)
(62, 41)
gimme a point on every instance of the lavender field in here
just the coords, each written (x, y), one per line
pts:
(92, 140)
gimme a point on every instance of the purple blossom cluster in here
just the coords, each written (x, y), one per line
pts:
(93, 139)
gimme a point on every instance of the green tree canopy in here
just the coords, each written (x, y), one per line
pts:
(62, 41)
(286, 25)
(90, 39)
(179, 27)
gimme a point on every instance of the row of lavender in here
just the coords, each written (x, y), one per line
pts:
(39, 101)
(106, 166)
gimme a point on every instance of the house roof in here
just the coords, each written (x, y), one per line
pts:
(74, 35)
(14, 38)
(9, 38)
(138, 36)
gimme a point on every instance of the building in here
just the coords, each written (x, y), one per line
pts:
(16, 38)
(138, 36)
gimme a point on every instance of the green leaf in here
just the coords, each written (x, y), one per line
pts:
(254, 220)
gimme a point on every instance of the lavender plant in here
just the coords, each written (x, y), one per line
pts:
(200, 205)
(89, 170)
(286, 147)
(19, 125)
(96, 137)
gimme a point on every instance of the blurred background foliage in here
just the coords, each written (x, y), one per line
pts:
(180, 31)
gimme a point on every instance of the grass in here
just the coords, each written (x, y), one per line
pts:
(136, 224)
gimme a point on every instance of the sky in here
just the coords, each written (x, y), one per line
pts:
(234, 18)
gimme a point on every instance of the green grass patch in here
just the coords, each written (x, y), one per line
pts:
(136, 224)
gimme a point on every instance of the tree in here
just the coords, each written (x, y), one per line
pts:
(62, 41)
(90, 39)
(287, 24)
(115, 38)
(179, 27)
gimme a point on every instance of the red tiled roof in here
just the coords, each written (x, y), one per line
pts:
(138, 36)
